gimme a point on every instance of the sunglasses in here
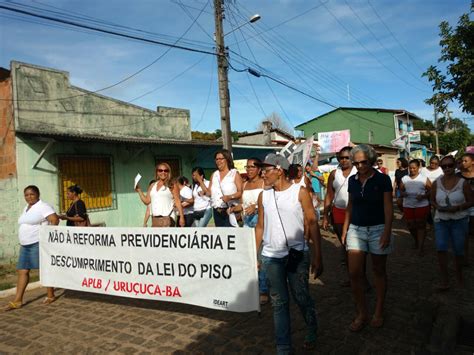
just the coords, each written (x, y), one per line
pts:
(250, 166)
(447, 166)
(362, 162)
(267, 170)
(163, 170)
(344, 157)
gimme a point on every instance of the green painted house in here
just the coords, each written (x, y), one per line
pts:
(367, 125)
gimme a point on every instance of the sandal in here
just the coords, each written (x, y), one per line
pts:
(358, 324)
(376, 322)
(264, 299)
(49, 300)
(11, 306)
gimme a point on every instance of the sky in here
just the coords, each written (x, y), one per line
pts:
(364, 53)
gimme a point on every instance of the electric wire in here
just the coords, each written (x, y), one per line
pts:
(298, 55)
(170, 46)
(266, 81)
(369, 51)
(393, 35)
(208, 96)
(248, 77)
(382, 44)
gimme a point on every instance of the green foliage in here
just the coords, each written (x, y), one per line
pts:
(457, 54)
(423, 125)
(212, 136)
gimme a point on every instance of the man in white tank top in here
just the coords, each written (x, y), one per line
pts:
(283, 213)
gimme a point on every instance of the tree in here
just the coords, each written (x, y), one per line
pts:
(454, 134)
(457, 53)
(277, 122)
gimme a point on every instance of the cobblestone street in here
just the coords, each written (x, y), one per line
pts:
(415, 316)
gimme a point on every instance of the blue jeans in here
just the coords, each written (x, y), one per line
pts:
(452, 231)
(204, 221)
(281, 283)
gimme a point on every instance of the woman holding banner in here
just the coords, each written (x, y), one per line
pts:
(288, 229)
(163, 195)
(35, 214)
(225, 189)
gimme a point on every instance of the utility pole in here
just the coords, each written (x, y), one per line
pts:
(408, 134)
(436, 130)
(222, 72)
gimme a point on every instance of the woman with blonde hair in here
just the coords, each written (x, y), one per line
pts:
(163, 196)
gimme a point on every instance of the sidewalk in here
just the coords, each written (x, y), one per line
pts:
(418, 320)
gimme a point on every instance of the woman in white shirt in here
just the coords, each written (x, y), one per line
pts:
(35, 214)
(432, 171)
(202, 203)
(187, 200)
(415, 191)
(163, 195)
(225, 189)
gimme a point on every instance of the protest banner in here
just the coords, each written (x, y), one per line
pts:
(209, 267)
(302, 152)
(331, 142)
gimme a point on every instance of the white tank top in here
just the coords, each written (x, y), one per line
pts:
(291, 213)
(301, 183)
(161, 201)
(226, 186)
(340, 185)
(413, 188)
(250, 197)
(453, 197)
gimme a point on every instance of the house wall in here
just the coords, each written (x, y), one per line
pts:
(8, 182)
(366, 126)
(37, 109)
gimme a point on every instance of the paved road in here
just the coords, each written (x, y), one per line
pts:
(88, 323)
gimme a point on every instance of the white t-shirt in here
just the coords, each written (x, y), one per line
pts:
(185, 194)
(201, 201)
(31, 220)
(413, 188)
(432, 174)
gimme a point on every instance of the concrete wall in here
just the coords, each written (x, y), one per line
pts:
(8, 182)
(38, 109)
(379, 125)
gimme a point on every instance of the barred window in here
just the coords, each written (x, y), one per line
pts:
(93, 175)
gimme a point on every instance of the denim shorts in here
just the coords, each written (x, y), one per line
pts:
(367, 239)
(29, 257)
(452, 231)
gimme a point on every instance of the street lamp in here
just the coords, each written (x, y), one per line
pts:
(253, 19)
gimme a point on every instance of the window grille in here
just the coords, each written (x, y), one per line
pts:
(93, 175)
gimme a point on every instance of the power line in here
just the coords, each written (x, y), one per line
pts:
(383, 45)
(208, 96)
(170, 46)
(393, 35)
(248, 77)
(369, 51)
(295, 55)
(266, 81)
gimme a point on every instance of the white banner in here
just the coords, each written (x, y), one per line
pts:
(208, 267)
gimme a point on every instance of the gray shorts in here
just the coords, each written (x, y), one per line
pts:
(367, 239)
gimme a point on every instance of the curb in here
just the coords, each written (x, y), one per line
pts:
(12, 291)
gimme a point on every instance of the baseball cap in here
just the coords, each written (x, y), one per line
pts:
(277, 160)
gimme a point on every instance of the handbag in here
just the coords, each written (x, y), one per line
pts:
(294, 256)
(163, 221)
(85, 223)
